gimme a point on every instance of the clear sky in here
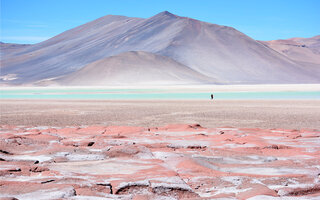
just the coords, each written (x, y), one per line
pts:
(32, 21)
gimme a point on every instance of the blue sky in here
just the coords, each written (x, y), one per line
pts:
(32, 21)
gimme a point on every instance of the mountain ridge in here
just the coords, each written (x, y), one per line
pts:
(304, 51)
(220, 52)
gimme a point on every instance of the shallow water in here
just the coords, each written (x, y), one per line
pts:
(147, 94)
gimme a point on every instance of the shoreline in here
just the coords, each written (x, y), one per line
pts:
(161, 100)
(200, 88)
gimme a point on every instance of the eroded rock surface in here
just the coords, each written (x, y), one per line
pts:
(172, 162)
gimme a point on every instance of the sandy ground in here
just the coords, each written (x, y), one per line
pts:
(290, 114)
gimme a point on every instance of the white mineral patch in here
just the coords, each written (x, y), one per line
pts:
(265, 197)
(145, 155)
(237, 160)
(24, 133)
(182, 133)
(89, 198)
(227, 129)
(106, 197)
(27, 152)
(35, 178)
(97, 150)
(7, 167)
(143, 141)
(164, 198)
(42, 127)
(100, 167)
(164, 155)
(54, 193)
(59, 154)
(40, 158)
(186, 144)
(228, 145)
(53, 142)
(83, 157)
(228, 190)
(266, 171)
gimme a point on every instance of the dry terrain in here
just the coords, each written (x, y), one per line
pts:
(293, 114)
(81, 149)
(171, 162)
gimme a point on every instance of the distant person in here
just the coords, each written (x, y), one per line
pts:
(211, 96)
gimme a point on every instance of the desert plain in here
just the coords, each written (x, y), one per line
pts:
(291, 114)
(160, 149)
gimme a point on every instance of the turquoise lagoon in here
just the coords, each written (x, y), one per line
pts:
(148, 94)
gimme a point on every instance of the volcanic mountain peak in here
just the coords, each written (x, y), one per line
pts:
(222, 53)
(166, 14)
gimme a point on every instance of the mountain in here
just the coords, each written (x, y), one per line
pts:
(9, 48)
(304, 51)
(222, 53)
(137, 68)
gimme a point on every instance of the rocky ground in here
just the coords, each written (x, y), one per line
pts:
(172, 162)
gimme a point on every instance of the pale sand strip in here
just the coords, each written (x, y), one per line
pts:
(292, 114)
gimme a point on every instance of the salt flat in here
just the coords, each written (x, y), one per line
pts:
(171, 162)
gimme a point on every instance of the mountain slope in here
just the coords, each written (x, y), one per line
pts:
(228, 55)
(6, 49)
(305, 51)
(134, 68)
(66, 52)
(73, 49)
(222, 53)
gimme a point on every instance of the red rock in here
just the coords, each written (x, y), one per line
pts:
(177, 161)
(126, 151)
(256, 190)
(141, 197)
(97, 190)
